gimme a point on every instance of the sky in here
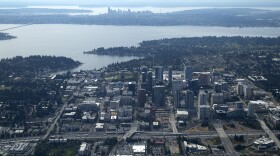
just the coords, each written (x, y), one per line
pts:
(191, 3)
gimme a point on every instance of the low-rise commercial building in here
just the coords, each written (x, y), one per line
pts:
(84, 149)
(263, 143)
(20, 148)
(182, 115)
(139, 149)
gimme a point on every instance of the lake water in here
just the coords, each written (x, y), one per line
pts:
(72, 40)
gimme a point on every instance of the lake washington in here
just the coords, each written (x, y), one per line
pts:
(72, 40)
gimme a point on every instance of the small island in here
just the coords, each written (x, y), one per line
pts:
(5, 36)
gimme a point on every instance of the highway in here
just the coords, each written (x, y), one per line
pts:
(173, 121)
(147, 134)
(225, 139)
(141, 134)
(138, 134)
(132, 130)
(56, 119)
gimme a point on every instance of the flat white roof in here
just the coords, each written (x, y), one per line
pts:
(139, 148)
(155, 123)
(99, 125)
(83, 147)
(195, 146)
(263, 141)
(70, 114)
(259, 102)
(182, 112)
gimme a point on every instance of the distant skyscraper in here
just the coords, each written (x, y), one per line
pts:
(144, 69)
(202, 98)
(159, 95)
(170, 75)
(204, 79)
(225, 86)
(189, 100)
(177, 98)
(132, 87)
(203, 112)
(141, 97)
(109, 10)
(150, 81)
(188, 71)
(217, 98)
(248, 91)
(159, 73)
(218, 87)
(240, 89)
(194, 85)
(143, 77)
(251, 106)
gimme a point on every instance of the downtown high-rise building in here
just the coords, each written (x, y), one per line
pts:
(159, 73)
(150, 82)
(202, 98)
(159, 96)
(189, 99)
(170, 70)
(188, 71)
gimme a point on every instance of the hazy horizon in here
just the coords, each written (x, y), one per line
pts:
(141, 3)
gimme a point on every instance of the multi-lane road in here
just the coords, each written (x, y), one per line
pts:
(224, 139)
(142, 134)
(56, 119)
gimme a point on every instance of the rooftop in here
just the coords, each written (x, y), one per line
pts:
(83, 147)
(139, 148)
(19, 147)
(182, 112)
(263, 141)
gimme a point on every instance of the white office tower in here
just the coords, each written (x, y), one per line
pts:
(188, 73)
(159, 73)
(248, 92)
(159, 95)
(240, 89)
(189, 99)
(217, 98)
(203, 112)
(202, 98)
